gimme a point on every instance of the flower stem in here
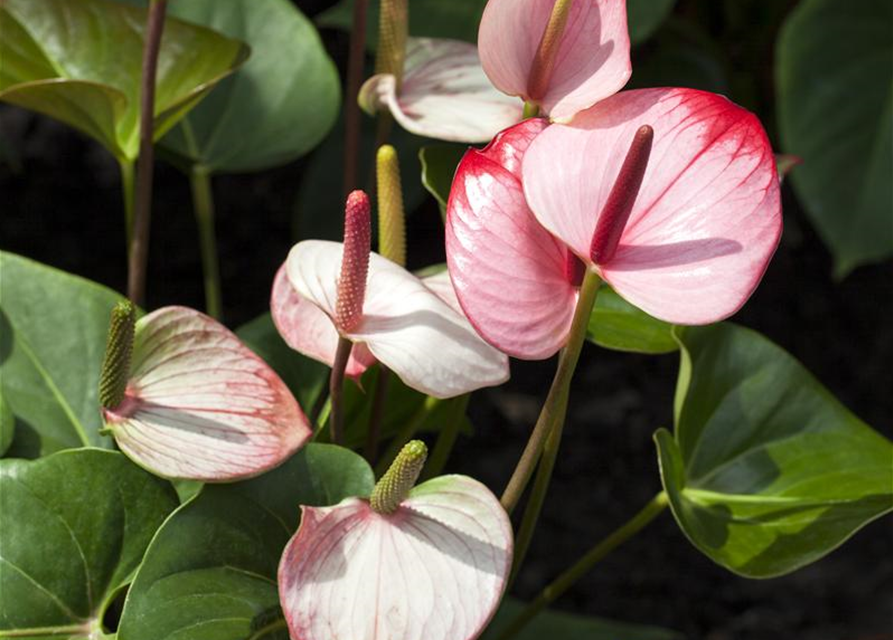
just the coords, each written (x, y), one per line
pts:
(127, 167)
(203, 205)
(556, 402)
(376, 414)
(561, 584)
(531, 110)
(336, 386)
(351, 107)
(139, 246)
(447, 437)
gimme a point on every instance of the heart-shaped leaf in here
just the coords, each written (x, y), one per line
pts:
(210, 572)
(835, 105)
(616, 324)
(767, 471)
(52, 339)
(566, 626)
(287, 94)
(80, 62)
(75, 526)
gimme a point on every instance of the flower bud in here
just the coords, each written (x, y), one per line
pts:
(619, 205)
(391, 225)
(354, 262)
(118, 351)
(400, 478)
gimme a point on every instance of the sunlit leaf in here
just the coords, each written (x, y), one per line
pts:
(52, 338)
(616, 324)
(210, 572)
(75, 526)
(767, 471)
(835, 103)
(80, 62)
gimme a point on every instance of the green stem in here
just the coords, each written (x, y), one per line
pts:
(447, 437)
(203, 204)
(406, 434)
(556, 402)
(127, 184)
(531, 110)
(336, 386)
(376, 414)
(584, 564)
(62, 630)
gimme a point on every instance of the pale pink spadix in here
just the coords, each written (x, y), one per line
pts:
(355, 262)
(400, 321)
(444, 94)
(429, 565)
(704, 221)
(200, 405)
(563, 61)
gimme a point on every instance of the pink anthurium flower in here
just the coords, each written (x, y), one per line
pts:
(192, 401)
(515, 282)
(385, 310)
(561, 55)
(699, 211)
(693, 222)
(444, 93)
(427, 562)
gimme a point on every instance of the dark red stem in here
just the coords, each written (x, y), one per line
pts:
(351, 106)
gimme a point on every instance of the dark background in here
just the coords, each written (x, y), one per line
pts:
(61, 205)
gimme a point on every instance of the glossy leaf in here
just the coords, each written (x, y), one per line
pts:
(80, 62)
(306, 378)
(7, 425)
(645, 16)
(93, 513)
(52, 339)
(210, 572)
(835, 104)
(616, 324)
(276, 107)
(767, 471)
(567, 626)
(439, 164)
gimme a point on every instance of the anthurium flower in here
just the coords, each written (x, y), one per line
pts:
(704, 214)
(409, 563)
(515, 282)
(443, 93)
(561, 55)
(184, 398)
(384, 310)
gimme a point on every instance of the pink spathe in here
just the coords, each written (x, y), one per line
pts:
(590, 62)
(509, 273)
(707, 217)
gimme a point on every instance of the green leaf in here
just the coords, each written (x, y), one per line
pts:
(80, 62)
(439, 164)
(75, 526)
(52, 339)
(7, 425)
(616, 324)
(566, 626)
(834, 74)
(305, 377)
(645, 16)
(276, 107)
(767, 471)
(210, 572)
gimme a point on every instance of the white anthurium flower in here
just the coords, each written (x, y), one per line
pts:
(405, 325)
(427, 562)
(192, 401)
(444, 93)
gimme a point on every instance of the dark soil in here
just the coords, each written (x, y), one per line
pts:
(61, 206)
